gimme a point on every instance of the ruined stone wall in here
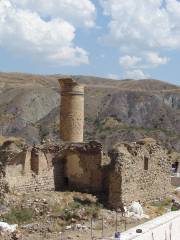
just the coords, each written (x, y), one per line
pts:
(134, 171)
(175, 181)
(73, 166)
(114, 181)
(139, 171)
(30, 182)
(71, 111)
(21, 177)
(3, 183)
(28, 169)
(83, 168)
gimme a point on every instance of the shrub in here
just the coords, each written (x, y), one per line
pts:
(18, 215)
(78, 210)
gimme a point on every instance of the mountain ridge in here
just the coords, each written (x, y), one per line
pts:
(123, 110)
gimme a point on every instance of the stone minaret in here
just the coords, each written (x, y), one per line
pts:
(71, 110)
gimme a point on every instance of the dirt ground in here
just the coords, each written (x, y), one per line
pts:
(69, 215)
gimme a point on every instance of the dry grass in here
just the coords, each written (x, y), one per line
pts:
(158, 208)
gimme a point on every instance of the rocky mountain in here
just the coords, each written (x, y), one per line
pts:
(124, 110)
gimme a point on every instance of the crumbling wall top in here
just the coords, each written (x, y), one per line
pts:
(71, 86)
(91, 147)
(67, 81)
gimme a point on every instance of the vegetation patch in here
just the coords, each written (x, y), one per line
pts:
(164, 203)
(18, 216)
(78, 210)
(161, 206)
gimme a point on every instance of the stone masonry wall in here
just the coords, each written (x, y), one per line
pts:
(27, 169)
(175, 181)
(31, 182)
(3, 183)
(83, 168)
(139, 171)
(21, 177)
(134, 171)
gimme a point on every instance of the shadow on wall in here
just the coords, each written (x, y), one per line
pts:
(60, 181)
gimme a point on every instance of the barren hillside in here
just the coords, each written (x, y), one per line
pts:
(115, 110)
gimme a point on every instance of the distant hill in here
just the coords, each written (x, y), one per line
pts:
(114, 110)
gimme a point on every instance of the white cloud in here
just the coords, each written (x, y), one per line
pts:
(155, 60)
(78, 12)
(136, 74)
(25, 32)
(143, 28)
(173, 8)
(129, 61)
(145, 60)
(113, 76)
(144, 23)
(74, 56)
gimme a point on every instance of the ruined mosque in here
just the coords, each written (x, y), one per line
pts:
(129, 172)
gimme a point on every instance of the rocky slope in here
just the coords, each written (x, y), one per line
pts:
(114, 110)
(66, 215)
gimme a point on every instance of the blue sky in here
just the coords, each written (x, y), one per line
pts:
(108, 38)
